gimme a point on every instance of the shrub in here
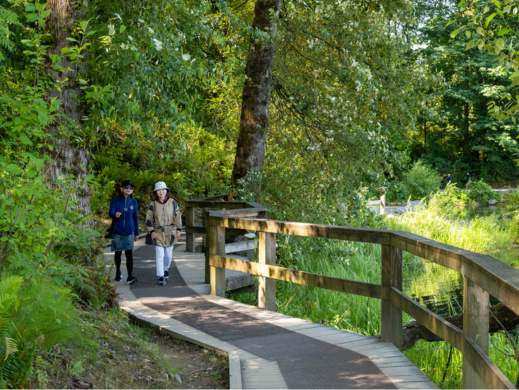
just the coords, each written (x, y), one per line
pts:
(421, 180)
(480, 192)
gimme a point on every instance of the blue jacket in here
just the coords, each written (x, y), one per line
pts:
(129, 222)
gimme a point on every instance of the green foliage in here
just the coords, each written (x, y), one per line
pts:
(16, 352)
(421, 180)
(458, 131)
(480, 192)
(492, 27)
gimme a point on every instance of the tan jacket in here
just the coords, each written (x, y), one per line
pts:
(164, 220)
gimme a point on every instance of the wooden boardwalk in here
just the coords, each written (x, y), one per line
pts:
(248, 370)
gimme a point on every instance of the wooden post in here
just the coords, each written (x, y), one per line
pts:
(267, 286)
(383, 204)
(190, 222)
(216, 246)
(207, 277)
(476, 326)
(391, 322)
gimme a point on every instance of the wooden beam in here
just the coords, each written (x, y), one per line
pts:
(476, 326)
(391, 320)
(305, 278)
(216, 246)
(267, 256)
(190, 221)
(240, 246)
(307, 229)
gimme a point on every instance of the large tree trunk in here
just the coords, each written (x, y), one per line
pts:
(414, 331)
(67, 158)
(254, 121)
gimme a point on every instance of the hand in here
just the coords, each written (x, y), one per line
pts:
(178, 233)
(135, 238)
(154, 236)
(118, 214)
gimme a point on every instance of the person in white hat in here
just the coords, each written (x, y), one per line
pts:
(163, 221)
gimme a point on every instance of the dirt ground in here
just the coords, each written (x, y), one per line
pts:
(122, 355)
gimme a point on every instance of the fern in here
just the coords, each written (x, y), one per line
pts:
(8, 17)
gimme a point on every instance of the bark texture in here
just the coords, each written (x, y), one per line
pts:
(67, 158)
(254, 121)
(414, 331)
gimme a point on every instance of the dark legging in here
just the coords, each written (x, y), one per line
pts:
(129, 260)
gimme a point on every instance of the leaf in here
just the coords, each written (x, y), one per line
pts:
(186, 57)
(461, 3)
(84, 25)
(10, 347)
(489, 19)
(454, 33)
(468, 33)
(32, 18)
(504, 31)
(25, 140)
(470, 45)
(122, 28)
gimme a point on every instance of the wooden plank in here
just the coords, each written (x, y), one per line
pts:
(267, 286)
(217, 246)
(391, 321)
(476, 325)
(300, 277)
(308, 230)
(240, 246)
(190, 221)
(195, 229)
(235, 380)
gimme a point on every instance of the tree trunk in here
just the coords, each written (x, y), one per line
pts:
(254, 121)
(414, 331)
(67, 159)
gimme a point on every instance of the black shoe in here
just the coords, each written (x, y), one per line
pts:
(166, 274)
(118, 277)
(162, 281)
(132, 279)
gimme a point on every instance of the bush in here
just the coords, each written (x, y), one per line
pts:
(480, 192)
(421, 180)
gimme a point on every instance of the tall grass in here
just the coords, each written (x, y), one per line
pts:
(430, 284)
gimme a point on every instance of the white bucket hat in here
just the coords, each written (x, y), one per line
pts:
(160, 185)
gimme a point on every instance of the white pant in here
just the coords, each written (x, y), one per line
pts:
(163, 256)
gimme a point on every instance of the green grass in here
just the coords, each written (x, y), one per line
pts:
(361, 262)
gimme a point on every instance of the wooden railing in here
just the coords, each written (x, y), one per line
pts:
(236, 209)
(483, 275)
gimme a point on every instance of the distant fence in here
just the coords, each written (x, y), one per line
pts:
(482, 275)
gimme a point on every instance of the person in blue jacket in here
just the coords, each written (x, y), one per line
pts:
(124, 212)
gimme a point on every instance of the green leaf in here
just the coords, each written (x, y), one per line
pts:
(461, 3)
(32, 18)
(122, 28)
(25, 140)
(470, 45)
(468, 33)
(504, 31)
(489, 19)
(454, 33)
(84, 25)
